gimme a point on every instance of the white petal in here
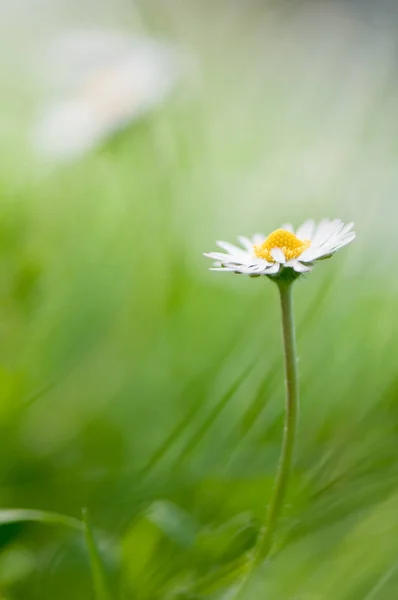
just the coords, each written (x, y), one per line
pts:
(310, 254)
(350, 237)
(321, 230)
(262, 263)
(238, 256)
(300, 268)
(343, 242)
(231, 248)
(328, 231)
(246, 243)
(248, 270)
(317, 254)
(306, 231)
(337, 242)
(241, 269)
(253, 261)
(244, 260)
(334, 234)
(326, 250)
(274, 269)
(348, 227)
(288, 227)
(277, 255)
(259, 265)
(219, 256)
(258, 238)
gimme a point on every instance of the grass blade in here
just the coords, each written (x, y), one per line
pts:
(17, 515)
(97, 569)
(221, 404)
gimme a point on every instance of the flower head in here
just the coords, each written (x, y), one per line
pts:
(103, 80)
(284, 249)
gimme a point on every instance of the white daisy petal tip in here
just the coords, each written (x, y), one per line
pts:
(300, 267)
(284, 255)
(288, 227)
(278, 256)
(274, 269)
(245, 243)
(306, 230)
(258, 238)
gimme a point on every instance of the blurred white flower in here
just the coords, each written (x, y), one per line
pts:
(284, 249)
(104, 81)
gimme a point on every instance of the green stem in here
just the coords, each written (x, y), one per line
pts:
(289, 432)
(265, 538)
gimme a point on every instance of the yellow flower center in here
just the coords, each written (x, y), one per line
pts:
(290, 245)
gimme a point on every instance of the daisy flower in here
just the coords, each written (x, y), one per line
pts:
(283, 256)
(284, 249)
(102, 80)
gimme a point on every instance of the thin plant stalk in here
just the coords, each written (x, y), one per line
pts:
(101, 590)
(265, 538)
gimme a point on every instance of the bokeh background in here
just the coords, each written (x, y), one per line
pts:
(141, 386)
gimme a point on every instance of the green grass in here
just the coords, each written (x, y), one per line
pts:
(141, 386)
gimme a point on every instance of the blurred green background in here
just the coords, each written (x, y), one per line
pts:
(137, 384)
